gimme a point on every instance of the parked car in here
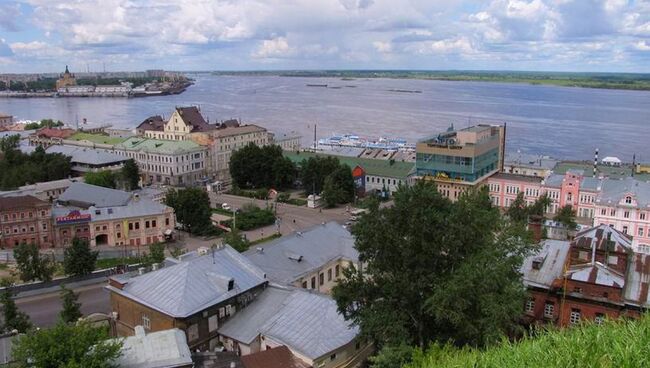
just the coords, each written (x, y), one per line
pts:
(226, 206)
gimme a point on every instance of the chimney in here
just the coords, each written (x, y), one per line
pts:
(141, 271)
(535, 226)
(593, 251)
(154, 267)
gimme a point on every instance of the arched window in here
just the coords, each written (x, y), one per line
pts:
(628, 200)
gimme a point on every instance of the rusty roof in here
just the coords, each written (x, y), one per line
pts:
(19, 202)
(155, 123)
(280, 357)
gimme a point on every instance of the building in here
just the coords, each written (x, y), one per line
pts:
(182, 122)
(280, 357)
(227, 139)
(110, 217)
(196, 294)
(153, 123)
(529, 165)
(118, 89)
(311, 259)
(625, 205)
(307, 323)
(459, 159)
(25, 219)
(48, 136)
(379, 176)
(66, 79)
(504, 188)
(597, 275)
(76, 90)
(45, 191)
(178, 163)
(640, 168)
(288, 141)
(84, 159)
(5, 120)
(162, 349)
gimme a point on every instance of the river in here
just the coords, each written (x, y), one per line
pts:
(563, 122)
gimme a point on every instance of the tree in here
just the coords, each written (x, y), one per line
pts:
(261, 167)
(71, 307)
(78, 259)
(339, 186)
(131, 175)
(235, 240)
(566, 216)
(314, 170)
(105, 178)
(518, 211)
(192, 208)
(540, 206)
(12, 317)
(31, 265)
(437, 270)
(157, 252)
(69, 346)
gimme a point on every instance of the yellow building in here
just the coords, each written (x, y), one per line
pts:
(66, 79)
(642, 168)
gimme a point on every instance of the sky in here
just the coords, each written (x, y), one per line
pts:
(118, 35)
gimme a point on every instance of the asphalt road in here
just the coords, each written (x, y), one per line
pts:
(43, 310)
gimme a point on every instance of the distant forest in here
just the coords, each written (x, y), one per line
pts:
(632, 81)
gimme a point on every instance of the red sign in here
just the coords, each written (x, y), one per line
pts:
(73, 217)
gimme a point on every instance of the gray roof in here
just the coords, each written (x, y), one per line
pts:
(162, 349)
(587, 182)
(87, 156)
(193, 285)
(95, 195)
(306, 322)
(531, 161)
(552, 256)
(615, 190)
(317, 245)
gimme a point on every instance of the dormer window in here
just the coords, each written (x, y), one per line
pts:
(628, 200)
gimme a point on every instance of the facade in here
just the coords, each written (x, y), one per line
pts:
(66, 79)
(182, 122)
(597, 275)
(152, 123)
(625, 205)
(113, 89)
(25, 219)
(48, 136)
(85, 159)
(178, 163)
(288, 141)
(459, 159)
(5, 120)
(109, 217)
(196, 294)
(47, 191)
(226, 140)
(312, 259)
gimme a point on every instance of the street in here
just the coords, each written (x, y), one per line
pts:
(43, 310)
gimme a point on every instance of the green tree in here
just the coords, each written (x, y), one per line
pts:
(261, 167)
(13, 318)
(540, 207)
(314, 170)
(157, 252)
(105, 178)
(130, 174)
(421, 259)
(339, 186)
(71, 311)
(518, 211)
(234, 239)
(69, 346)
(78, 259)
(566, 216)
(192, 208)
(31, 264)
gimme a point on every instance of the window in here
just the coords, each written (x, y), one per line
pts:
(304, 284)
(44, 226)
(628, 200)
(130, 226)
(575, 316)
(137, 225)
(222, 312)
(336, 271)
(153, 223)
(577, 290)
(642, 216)
(530, 305)
(612, 260)
(333, 356)
(329, 275)
(600, 318)
(167, 221)
(612, 212)
(213, 323)
(640, 231)
(146, 224)
(626, 214)
(119, 235)
(193, 332)
(313, 282)
(624, 229)
(549, 308)
(321, 278)
(146, 322)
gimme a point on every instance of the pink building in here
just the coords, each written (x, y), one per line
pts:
(625, 205)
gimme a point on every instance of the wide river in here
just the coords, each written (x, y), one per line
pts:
(558, 121)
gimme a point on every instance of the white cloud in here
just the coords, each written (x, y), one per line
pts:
(274, 48)
(642, 46)
(383, 47)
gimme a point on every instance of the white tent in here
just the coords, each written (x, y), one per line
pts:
(611, 161)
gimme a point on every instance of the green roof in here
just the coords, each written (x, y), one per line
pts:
(158, 145)
(620, 172)
(96, 138)
(397, 169)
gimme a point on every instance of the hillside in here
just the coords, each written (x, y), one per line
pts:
(614, 344)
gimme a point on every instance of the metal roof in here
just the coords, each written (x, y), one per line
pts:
(162, 349)
(552, 256)
(193, 285)
(318, 245)
(306, 322)
(158, 146)
(95, 195)
(530, 161)
(613, 191)
(88, 156)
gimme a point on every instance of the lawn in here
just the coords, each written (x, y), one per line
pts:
(96, 138)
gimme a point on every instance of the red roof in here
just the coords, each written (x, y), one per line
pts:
(20, 202)
(280, 357)
(55, 133)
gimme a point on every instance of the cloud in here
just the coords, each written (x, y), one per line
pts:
(275, 48)
(5, 50)
(383, 47)
(9, 14)
(642, 46)
(356, 4)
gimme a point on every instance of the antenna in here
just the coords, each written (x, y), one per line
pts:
(633, 164)
(596, 163)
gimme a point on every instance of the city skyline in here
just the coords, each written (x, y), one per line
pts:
(544, 35)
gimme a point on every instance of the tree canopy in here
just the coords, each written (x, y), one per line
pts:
(338, 186)
(437, 270)
(192, 208)
(71, 311)
(13, 318)
(31, 264)
(67, 346)
(45, 123)
(78, 258)
(253, 166)
(104, 178)
(314, 170)
(18, 168)
(130, 174)
(566, 215)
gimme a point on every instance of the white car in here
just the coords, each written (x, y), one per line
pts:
(225, 206)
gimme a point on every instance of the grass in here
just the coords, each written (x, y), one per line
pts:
(265, 239)
(621, 343)
(96, 138)
(113, 262)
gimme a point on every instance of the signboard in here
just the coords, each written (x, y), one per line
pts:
(73, 217)
(359, 177)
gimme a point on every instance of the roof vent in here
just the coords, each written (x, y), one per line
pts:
(259, 250)
(202, 251)
(154, 267)
(295, 257)
(141, 271)
(299, 233)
